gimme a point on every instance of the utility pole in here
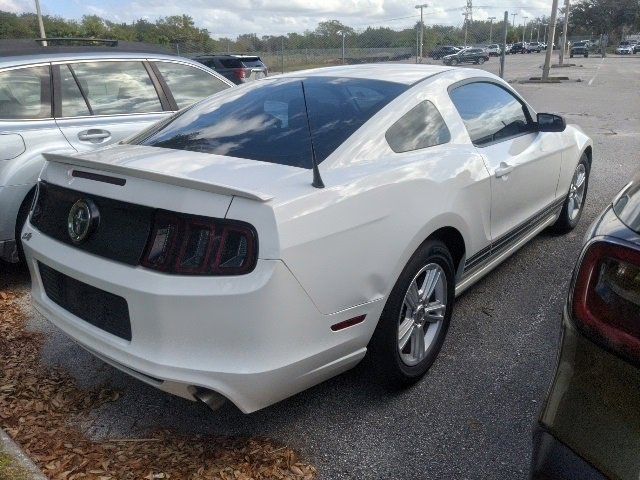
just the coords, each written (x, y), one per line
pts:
(40, 24)
(503, 52)
(491, 19)
(343, 59)
(468, 17)
(513, 22)
(552, 37)
(524, 27)
(565, 30)
(421, 7)
(466, 26)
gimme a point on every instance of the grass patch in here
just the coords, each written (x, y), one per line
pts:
(9, 470)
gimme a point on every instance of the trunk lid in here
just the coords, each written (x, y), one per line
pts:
(218, 174)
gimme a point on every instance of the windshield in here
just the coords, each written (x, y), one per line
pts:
(267, 120)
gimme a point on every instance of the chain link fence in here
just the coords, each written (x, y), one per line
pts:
(373, 44)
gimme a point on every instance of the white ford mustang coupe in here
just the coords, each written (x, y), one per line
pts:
(266, 238)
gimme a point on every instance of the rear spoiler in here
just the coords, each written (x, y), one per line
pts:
(160, 177)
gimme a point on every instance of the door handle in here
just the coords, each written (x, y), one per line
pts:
(503, 169)
(93, 135)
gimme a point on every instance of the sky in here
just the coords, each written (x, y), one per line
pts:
(228, 18)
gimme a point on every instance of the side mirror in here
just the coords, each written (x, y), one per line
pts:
(548, 122)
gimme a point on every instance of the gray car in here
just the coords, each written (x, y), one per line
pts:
(77, 99)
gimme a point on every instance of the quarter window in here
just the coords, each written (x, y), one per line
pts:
(421, 127)
(113, 88)
(25, 93)
(490, 112)
(189, 84)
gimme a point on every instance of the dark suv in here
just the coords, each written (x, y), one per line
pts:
(443, 51)
(468, 55)
(520, 47)
(579, 48)
(237, 68)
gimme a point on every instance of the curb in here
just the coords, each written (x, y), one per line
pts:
(21, 459)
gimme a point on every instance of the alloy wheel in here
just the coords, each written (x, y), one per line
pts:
(576, 191)
(422, 314)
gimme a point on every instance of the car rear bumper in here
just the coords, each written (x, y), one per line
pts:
(254, 339)
(553, 460)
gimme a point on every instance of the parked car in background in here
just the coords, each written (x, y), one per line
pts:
(535, 47)
(219, 218)
(625, 48)
(520, 48)
(77, 99)
(468, 55)
(443, 51)
(237, 68)
(494, 50)
(589, 427)
(579, 48)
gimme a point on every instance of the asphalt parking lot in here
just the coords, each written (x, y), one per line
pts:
(471, 416)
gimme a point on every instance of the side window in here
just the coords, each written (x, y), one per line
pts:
(420, 127)
(114, 88)
(189, 84)
(25, 93)
(73, 103)
(490, 112)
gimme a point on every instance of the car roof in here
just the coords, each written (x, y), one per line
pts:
(405, 73)
(15, 53)
(227, 55)
(62, 54)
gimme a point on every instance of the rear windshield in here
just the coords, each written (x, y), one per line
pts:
(627, 207)
(252, 62)
(268, 121)
(231, 63)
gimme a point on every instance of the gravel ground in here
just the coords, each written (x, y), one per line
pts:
(471, 416)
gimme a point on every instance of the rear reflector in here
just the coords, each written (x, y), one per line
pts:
(348, 323)
(606, 298)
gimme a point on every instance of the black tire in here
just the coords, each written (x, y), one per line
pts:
(586, 55)
(383, 348)
(481, 61)
(571, 55)
(23, 213)
(565, 223)
(454, 62)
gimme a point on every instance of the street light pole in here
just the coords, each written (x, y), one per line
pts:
(491, 19)
(421, 7)
(552, 37)
(513, 22)
(531, 34)
(40, 24)
(524, 28)
(544, 39)
(565, 30)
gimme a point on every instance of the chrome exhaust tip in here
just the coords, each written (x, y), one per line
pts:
(210, 398)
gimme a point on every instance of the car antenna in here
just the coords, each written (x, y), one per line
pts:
(317, 179)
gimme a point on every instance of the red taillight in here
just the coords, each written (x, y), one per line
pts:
(606, 297)
(242, 73)
(191, 245)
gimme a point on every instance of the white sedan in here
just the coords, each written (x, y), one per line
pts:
(267, 238)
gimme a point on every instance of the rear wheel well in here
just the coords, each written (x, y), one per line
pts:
(454, 241)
